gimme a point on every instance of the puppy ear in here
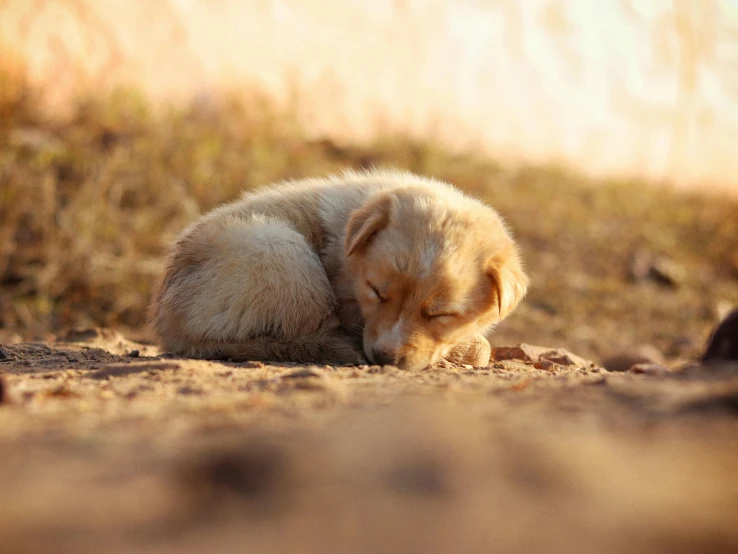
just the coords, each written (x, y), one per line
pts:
(509, 281)
(365, 222)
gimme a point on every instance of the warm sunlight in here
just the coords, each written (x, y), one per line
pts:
(613, 87)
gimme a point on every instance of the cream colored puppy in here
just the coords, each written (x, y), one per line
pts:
(408, 268)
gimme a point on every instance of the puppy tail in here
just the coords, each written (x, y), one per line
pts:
(316, 349)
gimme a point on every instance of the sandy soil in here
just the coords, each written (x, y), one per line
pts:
(106, 446)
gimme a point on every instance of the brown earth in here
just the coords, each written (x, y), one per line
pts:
(108, 446)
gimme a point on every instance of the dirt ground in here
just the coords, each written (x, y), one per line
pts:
(107, 446)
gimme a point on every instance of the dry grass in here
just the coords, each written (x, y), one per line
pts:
(89, 200)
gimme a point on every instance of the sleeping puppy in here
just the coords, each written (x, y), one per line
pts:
(405, 269)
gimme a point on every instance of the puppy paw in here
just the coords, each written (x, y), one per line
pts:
(341, 350)
(349, 357)
(474, 351)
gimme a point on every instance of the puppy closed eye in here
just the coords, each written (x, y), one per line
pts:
(441, 317)
(375, 294)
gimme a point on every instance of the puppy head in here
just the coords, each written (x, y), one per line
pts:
(428, 269)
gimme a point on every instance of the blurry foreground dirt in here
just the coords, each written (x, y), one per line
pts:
(107, 447)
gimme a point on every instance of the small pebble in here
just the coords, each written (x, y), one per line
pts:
(134, 354)
(644, 354)
(649, 369)
(545, 365)
(659, 269)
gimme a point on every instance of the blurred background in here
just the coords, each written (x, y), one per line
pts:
(603, 131)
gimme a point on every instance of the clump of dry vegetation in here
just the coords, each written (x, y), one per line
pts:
(89, 200)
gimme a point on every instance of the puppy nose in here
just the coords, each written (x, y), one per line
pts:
(382, 357)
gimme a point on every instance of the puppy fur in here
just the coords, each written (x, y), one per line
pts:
(404, 268)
